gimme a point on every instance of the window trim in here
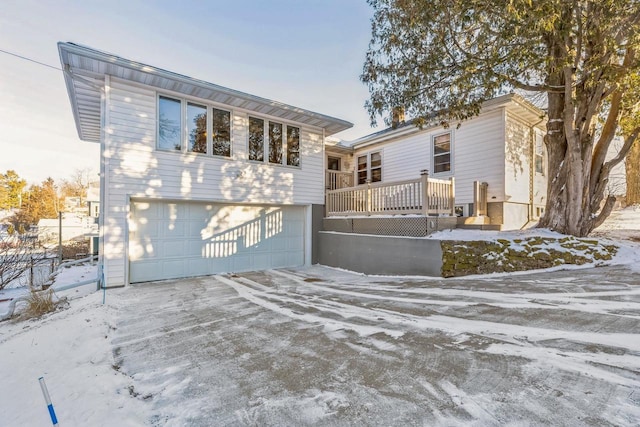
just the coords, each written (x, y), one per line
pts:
(433, 154)
(266, 143)
(184, 131)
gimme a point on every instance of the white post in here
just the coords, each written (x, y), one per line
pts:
(424, 176)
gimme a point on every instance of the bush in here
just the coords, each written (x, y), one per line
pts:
(71, 250)
(41, 303)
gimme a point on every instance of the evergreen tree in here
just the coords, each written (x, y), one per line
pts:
(449, 56)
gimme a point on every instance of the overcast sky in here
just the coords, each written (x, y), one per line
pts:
(308, 53)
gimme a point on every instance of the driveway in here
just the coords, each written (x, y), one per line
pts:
(317, 346)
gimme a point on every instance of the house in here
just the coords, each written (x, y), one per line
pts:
(200, 179)
(195, 178)
(496, 162)
(74, 226)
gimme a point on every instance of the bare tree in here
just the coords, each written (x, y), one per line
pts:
(17, 257)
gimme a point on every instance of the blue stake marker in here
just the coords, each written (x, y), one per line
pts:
(47, 399)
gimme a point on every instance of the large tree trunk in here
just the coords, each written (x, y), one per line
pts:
(632, 171)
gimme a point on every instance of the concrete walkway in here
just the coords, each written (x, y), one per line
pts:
(317, 346)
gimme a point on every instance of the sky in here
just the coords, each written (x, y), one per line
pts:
(305, 53)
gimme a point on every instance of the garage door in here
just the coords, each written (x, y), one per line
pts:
(173, 240)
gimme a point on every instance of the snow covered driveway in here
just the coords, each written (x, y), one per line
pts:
(322, 347)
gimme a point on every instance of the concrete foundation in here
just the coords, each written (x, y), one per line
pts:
(381, 255)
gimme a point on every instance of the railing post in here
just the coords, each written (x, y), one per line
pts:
(452, 195)
(424, 176)
(367, 197)
(476, 198)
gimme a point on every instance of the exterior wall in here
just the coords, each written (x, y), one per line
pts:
(381, 254)
(478, 155)
(518, 152)
(515, 216)
(134, 168)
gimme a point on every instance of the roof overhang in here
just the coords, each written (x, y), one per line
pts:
(85, 70)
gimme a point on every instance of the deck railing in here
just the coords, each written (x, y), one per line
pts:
(426, 196)
(338, 179)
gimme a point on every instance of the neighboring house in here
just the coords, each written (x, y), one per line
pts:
(74, 226)
(93, 202)
(498, 161)
(196, 178)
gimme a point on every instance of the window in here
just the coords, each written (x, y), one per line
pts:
(333, 163)
(197, 128)
(539, 155)
(169, 124)
(185, 126)
(293, 146)
(442, 153)
(376, 167)
(276, 144)
(256, 139)
(370, 168)
(362, 170)
(221, 136)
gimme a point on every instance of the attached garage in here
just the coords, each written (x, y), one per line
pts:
(170, 240)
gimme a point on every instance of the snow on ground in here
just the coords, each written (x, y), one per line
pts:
(320, 346)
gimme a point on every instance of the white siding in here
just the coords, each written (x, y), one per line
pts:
(478, 155)
(518, 151)
(134, 168)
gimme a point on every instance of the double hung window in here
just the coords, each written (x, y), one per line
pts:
(442, 153)
(369, 167)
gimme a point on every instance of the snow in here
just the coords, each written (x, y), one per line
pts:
(543, 348)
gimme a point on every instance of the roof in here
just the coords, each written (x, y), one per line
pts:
(512, 102)
(85, 70)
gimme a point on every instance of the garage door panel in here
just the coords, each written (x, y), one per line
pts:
(172, 248)
(172, 240)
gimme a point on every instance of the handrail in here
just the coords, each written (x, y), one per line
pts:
(338, 179)
(426, 196)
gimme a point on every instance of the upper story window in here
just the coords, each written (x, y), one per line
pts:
(187, 126)
(442, 153)
(169, 124)
(221, 133)
(197, 128)
(281, 145)
(370, 167)
(256, 139)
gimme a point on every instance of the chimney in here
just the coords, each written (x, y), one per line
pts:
(397, 116)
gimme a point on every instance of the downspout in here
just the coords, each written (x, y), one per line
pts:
(103, 177)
